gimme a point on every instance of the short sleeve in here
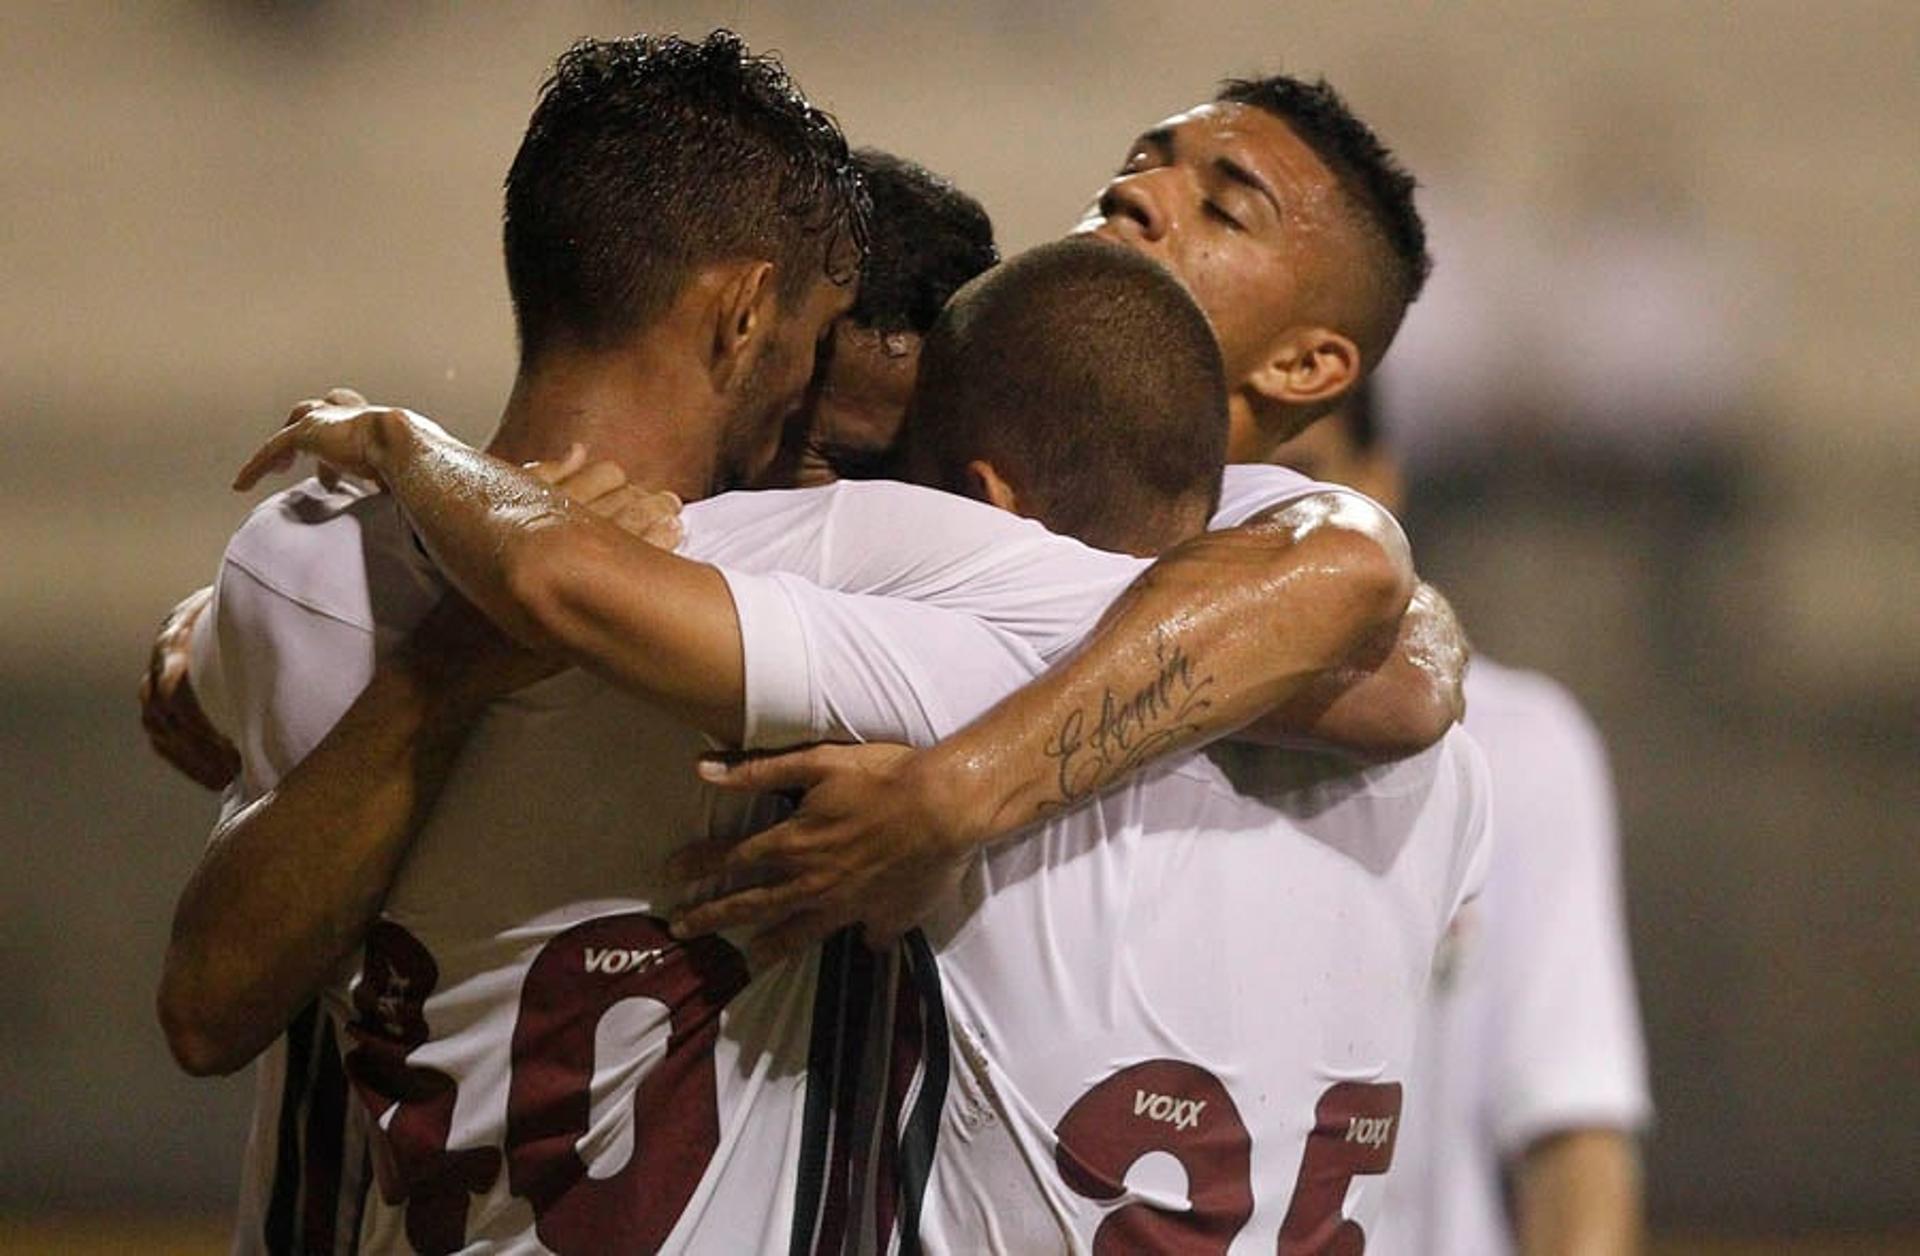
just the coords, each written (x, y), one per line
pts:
(204, 670)
(1250, 489)
(1566, 1038)
(902, 541)
(825, 665)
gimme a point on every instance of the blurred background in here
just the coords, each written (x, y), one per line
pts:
(1660, 405)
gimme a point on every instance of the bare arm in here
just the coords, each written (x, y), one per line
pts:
(1223, 629)
(1578, 1194)
(1379, 709)
(287, 887)
(549, 572)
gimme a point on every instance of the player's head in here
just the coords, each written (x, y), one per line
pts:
(1078, 384)
(1346, 448)
(668, 183)
(926, 239)
(1295, 229)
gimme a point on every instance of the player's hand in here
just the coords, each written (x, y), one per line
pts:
(345, 437)
(866, 846)
(177, 729)
(602, 487)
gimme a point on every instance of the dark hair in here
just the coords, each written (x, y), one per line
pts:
(1087, 376)
(1360, 411)
(1378, 189)
(650, 156)
(925, 239)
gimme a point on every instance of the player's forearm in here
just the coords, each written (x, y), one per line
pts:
(289, 886)
(562, 581)
(1578, 1194)
(1383, 705)
(1221, 630)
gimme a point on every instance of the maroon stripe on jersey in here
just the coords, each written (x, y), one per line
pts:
(919, 1054)
(907, 1050)
(836, 1205)
(325, 1141)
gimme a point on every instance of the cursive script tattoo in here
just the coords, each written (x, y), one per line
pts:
(1094, 747)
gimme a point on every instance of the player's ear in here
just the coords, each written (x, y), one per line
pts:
(1308, 368)
(742, 314)
(985, 483)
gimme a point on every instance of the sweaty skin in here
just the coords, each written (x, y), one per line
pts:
(558, 580)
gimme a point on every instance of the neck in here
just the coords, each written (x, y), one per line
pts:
(1258, 427)
(649, 413)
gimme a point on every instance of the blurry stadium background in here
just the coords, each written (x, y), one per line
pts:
(1661, 409)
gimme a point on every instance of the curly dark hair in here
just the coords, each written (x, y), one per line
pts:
(927, 239)
(649, 156)
(1378, 188)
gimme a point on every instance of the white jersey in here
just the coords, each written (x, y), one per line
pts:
(314, 588)
(1182, 1013)
(1533, 1028)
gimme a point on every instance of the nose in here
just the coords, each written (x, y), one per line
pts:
(1137, 197)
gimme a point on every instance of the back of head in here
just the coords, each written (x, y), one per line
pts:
(926, 238)
(1378, 202)
(651, 156)
(1087, 377)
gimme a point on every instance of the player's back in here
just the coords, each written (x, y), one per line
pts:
(562, 1074)
(1192, 1005)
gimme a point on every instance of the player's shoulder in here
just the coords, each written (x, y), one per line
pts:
(314, 545)
(1504, 702)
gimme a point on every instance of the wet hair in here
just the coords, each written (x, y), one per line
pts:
(651, 156)
(1087, 376)
(925, 239)
(1377, 188)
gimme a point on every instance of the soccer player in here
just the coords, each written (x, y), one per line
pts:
(1532, 1079)
(713, 280)
(1296, 231)
(1222, 962)
(204, 1014)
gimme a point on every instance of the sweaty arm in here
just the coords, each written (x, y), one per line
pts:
(548, 571)
(289, 884)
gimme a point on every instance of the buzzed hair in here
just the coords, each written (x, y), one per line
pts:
(1089, 378)
(1377, 188)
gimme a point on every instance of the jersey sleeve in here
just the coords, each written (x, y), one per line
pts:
(204, 670)
(1251, 489)
(822, 665)
(898, 540)
(281, 660)
(1567, 1047)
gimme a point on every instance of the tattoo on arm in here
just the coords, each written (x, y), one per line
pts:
(1094, 746)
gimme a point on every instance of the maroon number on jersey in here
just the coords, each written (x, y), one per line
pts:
(1173, 1107)
(676, 1123)
(411, 1162)
(1354, 1128)
(1183, 1110)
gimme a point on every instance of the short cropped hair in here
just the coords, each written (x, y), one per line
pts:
(651, 156)
(1089, 378)
(1378, 191)
(925, 239)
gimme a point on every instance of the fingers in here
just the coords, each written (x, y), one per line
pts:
(344, 397)
(758, 905)
(558, 470)
(764, 773)
(591, 483)
(276, 455)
